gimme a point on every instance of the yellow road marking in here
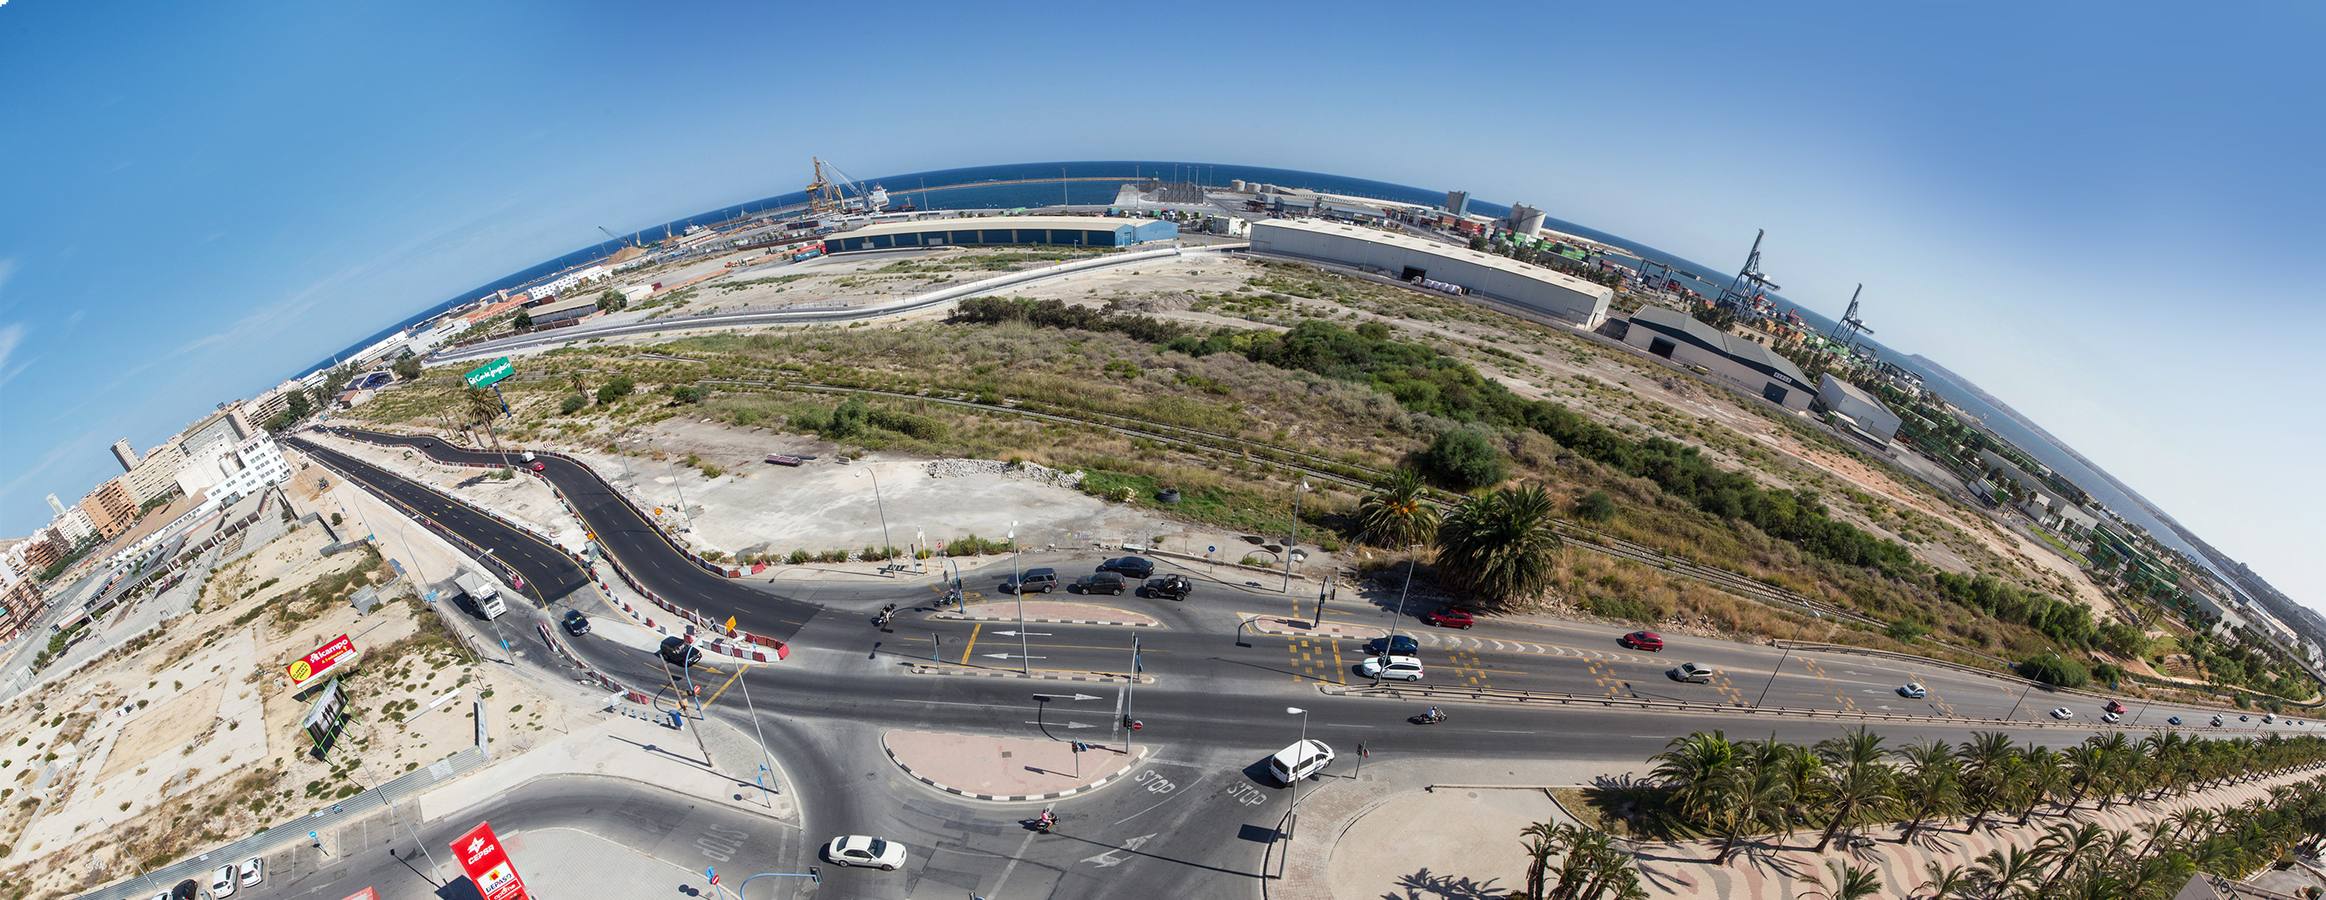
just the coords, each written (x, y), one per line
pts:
(973, 630)
(723, 688)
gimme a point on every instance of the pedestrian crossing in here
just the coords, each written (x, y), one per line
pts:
(1477, 644)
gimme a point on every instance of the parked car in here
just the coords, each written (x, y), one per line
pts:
(2114, 707)
(254, 870)
(1042, 580)
(1168, 587)
(1693, 673)
(1642, 640)
(1391, 668)
(1913, 691)
(676, 651)
(1449, 617)
(1099, 583)
(1129, 566)
(2062, 713)
(186, 890)
(2176, 720)
(868, 852)
(575, 623)
(222, 882)
(1301, 760)
(1400, 645)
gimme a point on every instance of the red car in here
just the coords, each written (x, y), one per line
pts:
(1449, 618)
(2115, 707)
(538, 467)
(1642, 640)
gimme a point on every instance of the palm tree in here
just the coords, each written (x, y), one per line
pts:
(1498, 545)
(1694, 767)
(2087, 767)
(484, 407)
(1943, 882)
(1849, 883)
(1398, 512)
(2046, 775)
(2068, 846)
(1930, 783)
(1997, 874)
(1541, 844)
(1857, 779)
(1985, 757)
(1754, 796)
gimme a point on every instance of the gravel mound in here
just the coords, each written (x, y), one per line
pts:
(955, 468)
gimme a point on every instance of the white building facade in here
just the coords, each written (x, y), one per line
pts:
(1410, 258)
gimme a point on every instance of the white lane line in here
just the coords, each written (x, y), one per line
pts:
(1013, 866)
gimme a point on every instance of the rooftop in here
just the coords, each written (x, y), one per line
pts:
(569, 305)
(1742, 349)
(1443, 250)
(1080, 223)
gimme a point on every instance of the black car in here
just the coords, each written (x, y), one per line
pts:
(186, 890)
(676, 651)
(575, 623)
(1042, 579)
(1168, 587)
(1401, 645)
(1129, 566)
(1099, 583)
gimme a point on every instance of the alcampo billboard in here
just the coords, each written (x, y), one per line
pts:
(320, 662)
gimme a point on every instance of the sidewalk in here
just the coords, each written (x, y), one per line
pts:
(565, 862)
(1298, 627)
(1004, 769)
(1053, 612)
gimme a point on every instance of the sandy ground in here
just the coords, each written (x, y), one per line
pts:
(192, 737)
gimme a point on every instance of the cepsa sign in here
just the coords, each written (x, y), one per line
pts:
(481, 857)
(322, 660)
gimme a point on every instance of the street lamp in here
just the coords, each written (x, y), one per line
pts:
(1018, 588)
(1292, 809)
(1415, 551)
(883, 510)
(1773, 677)
(1294, 540)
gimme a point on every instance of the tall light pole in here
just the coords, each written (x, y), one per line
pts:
(1292, 809)
(883, 510)
(766, 761)
(1415, 556)
(1772, 677)
(1018, 587)
(1294, 540)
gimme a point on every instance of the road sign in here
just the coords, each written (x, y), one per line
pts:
(488, 374)
(482, 859)
(730, 623)
(712, 873)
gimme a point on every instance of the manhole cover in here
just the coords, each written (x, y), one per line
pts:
(1008, 753)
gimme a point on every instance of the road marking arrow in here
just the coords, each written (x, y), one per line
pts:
(1067, 725)
(1109, 860)
(1026, 633)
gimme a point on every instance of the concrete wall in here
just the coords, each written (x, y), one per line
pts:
(1717, 365)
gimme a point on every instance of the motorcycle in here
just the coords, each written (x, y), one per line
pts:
(1428, 718)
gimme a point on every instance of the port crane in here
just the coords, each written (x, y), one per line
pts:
(626, 242)
(1745, 292)
(1846, 331)
(829, 197)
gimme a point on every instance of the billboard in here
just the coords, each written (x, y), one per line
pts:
(320, 662)
(487, 375)
(481, 858)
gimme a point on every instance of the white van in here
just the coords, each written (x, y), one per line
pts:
(1299, 761)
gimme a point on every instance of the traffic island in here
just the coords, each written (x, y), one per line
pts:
(1006, 769)
(1294, 626)
(1052, 612)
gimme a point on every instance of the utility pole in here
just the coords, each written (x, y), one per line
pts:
(1773, 678)
(683, 693)
(877, 505)
(1294, 540)
(766, 760)
(1292, 808)
(1018, 587)
(1131, 693)
(1401, 594)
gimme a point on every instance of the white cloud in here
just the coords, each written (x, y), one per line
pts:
(11, 335)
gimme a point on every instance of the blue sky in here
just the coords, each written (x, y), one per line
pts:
(2106, 215)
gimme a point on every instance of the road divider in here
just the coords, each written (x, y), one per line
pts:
(922, 668)
(1509, 697)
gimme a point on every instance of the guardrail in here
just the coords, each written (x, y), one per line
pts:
(1506, 696)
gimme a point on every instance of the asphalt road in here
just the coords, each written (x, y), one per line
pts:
(1195, 820)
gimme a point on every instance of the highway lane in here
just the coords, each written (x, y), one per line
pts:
(626, 535)
(547, 572)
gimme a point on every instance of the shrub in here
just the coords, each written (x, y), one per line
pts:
(572, 404)
(1905, 631)
(616, 389)
(686, 393)
(1463, 459)
(799, 556)
(1595, 506)
(2056, 670)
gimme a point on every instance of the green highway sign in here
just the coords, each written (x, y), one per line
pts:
(488, 374)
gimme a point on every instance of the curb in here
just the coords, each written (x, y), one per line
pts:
(1523, 698)
(1105, 677)
(1008, 798)
(957, 617)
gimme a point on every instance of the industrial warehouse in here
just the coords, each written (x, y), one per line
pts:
(1415, 259)
(1735, 361)
(1074, 231)
(1856, 410)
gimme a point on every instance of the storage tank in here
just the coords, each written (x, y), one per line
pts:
(1524, 219)
(1237, 185)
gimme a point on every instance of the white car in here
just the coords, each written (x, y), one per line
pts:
(2062, 713)
(869, 852)
(254, 870)
(1391, 668)
(222, 882)
(1302, 759)
(2111, 718)
(1913, 691)
(1694, 673)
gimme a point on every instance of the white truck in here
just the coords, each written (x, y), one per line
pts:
(482, 593)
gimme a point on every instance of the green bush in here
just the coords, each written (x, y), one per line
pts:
(686, 393)
(1595, 507)
(799, 556)
(572, 404)
(1905, 631)
(616, 389)
(2055, 670)
(1463, 459)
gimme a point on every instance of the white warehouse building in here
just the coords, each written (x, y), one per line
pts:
(1859, 410)
(1409, 258)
